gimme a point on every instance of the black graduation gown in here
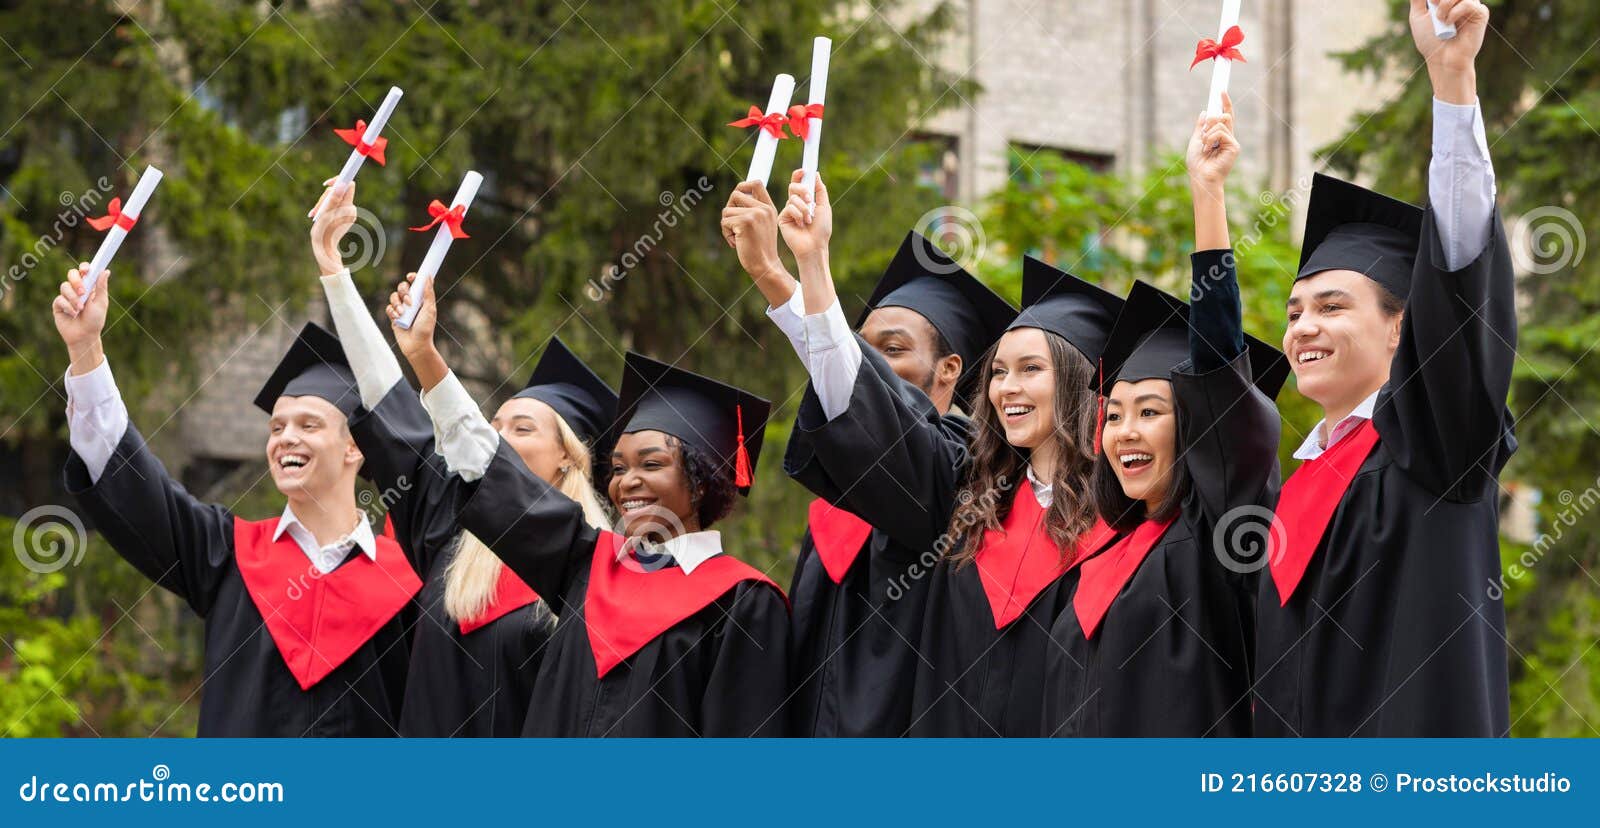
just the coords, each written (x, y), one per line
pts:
(1171, 655)
(188, 548)
(901, 472)
(721, 670)
(852, 650)
(459, 684)
(1395, 628)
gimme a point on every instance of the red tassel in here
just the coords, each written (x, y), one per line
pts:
(1100, 413)
(741, 458)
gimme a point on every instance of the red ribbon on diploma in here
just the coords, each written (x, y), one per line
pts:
(1209, 49)
(800, 119)
(773, 124)
(373, 150)
(451, 216)
(114, 216)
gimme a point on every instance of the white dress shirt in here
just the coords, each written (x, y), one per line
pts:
(1315, 444)
(97, 420)
(468, 443)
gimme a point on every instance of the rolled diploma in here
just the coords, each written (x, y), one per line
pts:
(1222, 68)
(821, 49)
(1441, 29)
(375, 127)
(113, 240)
(766, 145)
(436, 251)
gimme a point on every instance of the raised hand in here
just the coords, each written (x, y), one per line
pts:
(80, 327)
(335, 218)
(1213, 149)
(416, 342)
(1451, 62)
(750, 227)
(806, 233)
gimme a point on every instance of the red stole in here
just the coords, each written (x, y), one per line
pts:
(1016, 562)
(625, 608)
(838, 536)
(510, 594)
(1101, 579)
(1310, 497)
(318, 621)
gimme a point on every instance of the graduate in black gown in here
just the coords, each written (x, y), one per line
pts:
(931, 321)
(990, 575)
(476, 650)
(305, 614)
(661, 633)
(1380, 616)
(1158, 637)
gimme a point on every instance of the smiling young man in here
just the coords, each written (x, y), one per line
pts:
(305, 634)
(930, 321)
(1402, 326)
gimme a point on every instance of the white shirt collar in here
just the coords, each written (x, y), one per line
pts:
(687, 550)
(1041, 490)
(327, 558)
(1313, 447)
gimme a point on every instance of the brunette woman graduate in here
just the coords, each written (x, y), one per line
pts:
(305, 614)
(852, 655)
(985, 534)
(1379, 618)
(661, 633)
(477, 649)
(1158, 637)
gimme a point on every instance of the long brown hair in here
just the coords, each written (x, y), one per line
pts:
(996, 467)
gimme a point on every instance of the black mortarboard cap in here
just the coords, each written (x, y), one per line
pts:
(718, 418)
(314, 366)
(1349, 227)
(1151, 339)
(1059, 302)
(969, 315)
(565, 383)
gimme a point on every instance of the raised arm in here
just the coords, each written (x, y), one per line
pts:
(1443, 412)
(148, 518)
(538, 532)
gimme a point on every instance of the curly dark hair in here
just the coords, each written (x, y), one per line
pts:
(711, 488)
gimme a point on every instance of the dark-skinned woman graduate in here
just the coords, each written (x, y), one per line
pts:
(306, 614)
(851, 651)
(1158, 637)
(1379, 618)
(993, 529)
(661, 632)
(476, 651)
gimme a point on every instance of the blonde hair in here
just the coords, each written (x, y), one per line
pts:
(471, 577)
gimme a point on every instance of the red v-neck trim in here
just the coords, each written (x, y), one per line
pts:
(626, 608)
(319, 620)
(1018, 561)
(510, 594)
(838, 536)
(1305, 507)
(1102, 578)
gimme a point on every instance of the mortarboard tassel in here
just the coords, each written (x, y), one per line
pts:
(741, 457)
(1100, 410)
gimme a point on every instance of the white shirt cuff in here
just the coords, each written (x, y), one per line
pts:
(833, 358)
(463, 436)
(1461, 185)
(372, 362)
(96, 417)
(790, 318)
